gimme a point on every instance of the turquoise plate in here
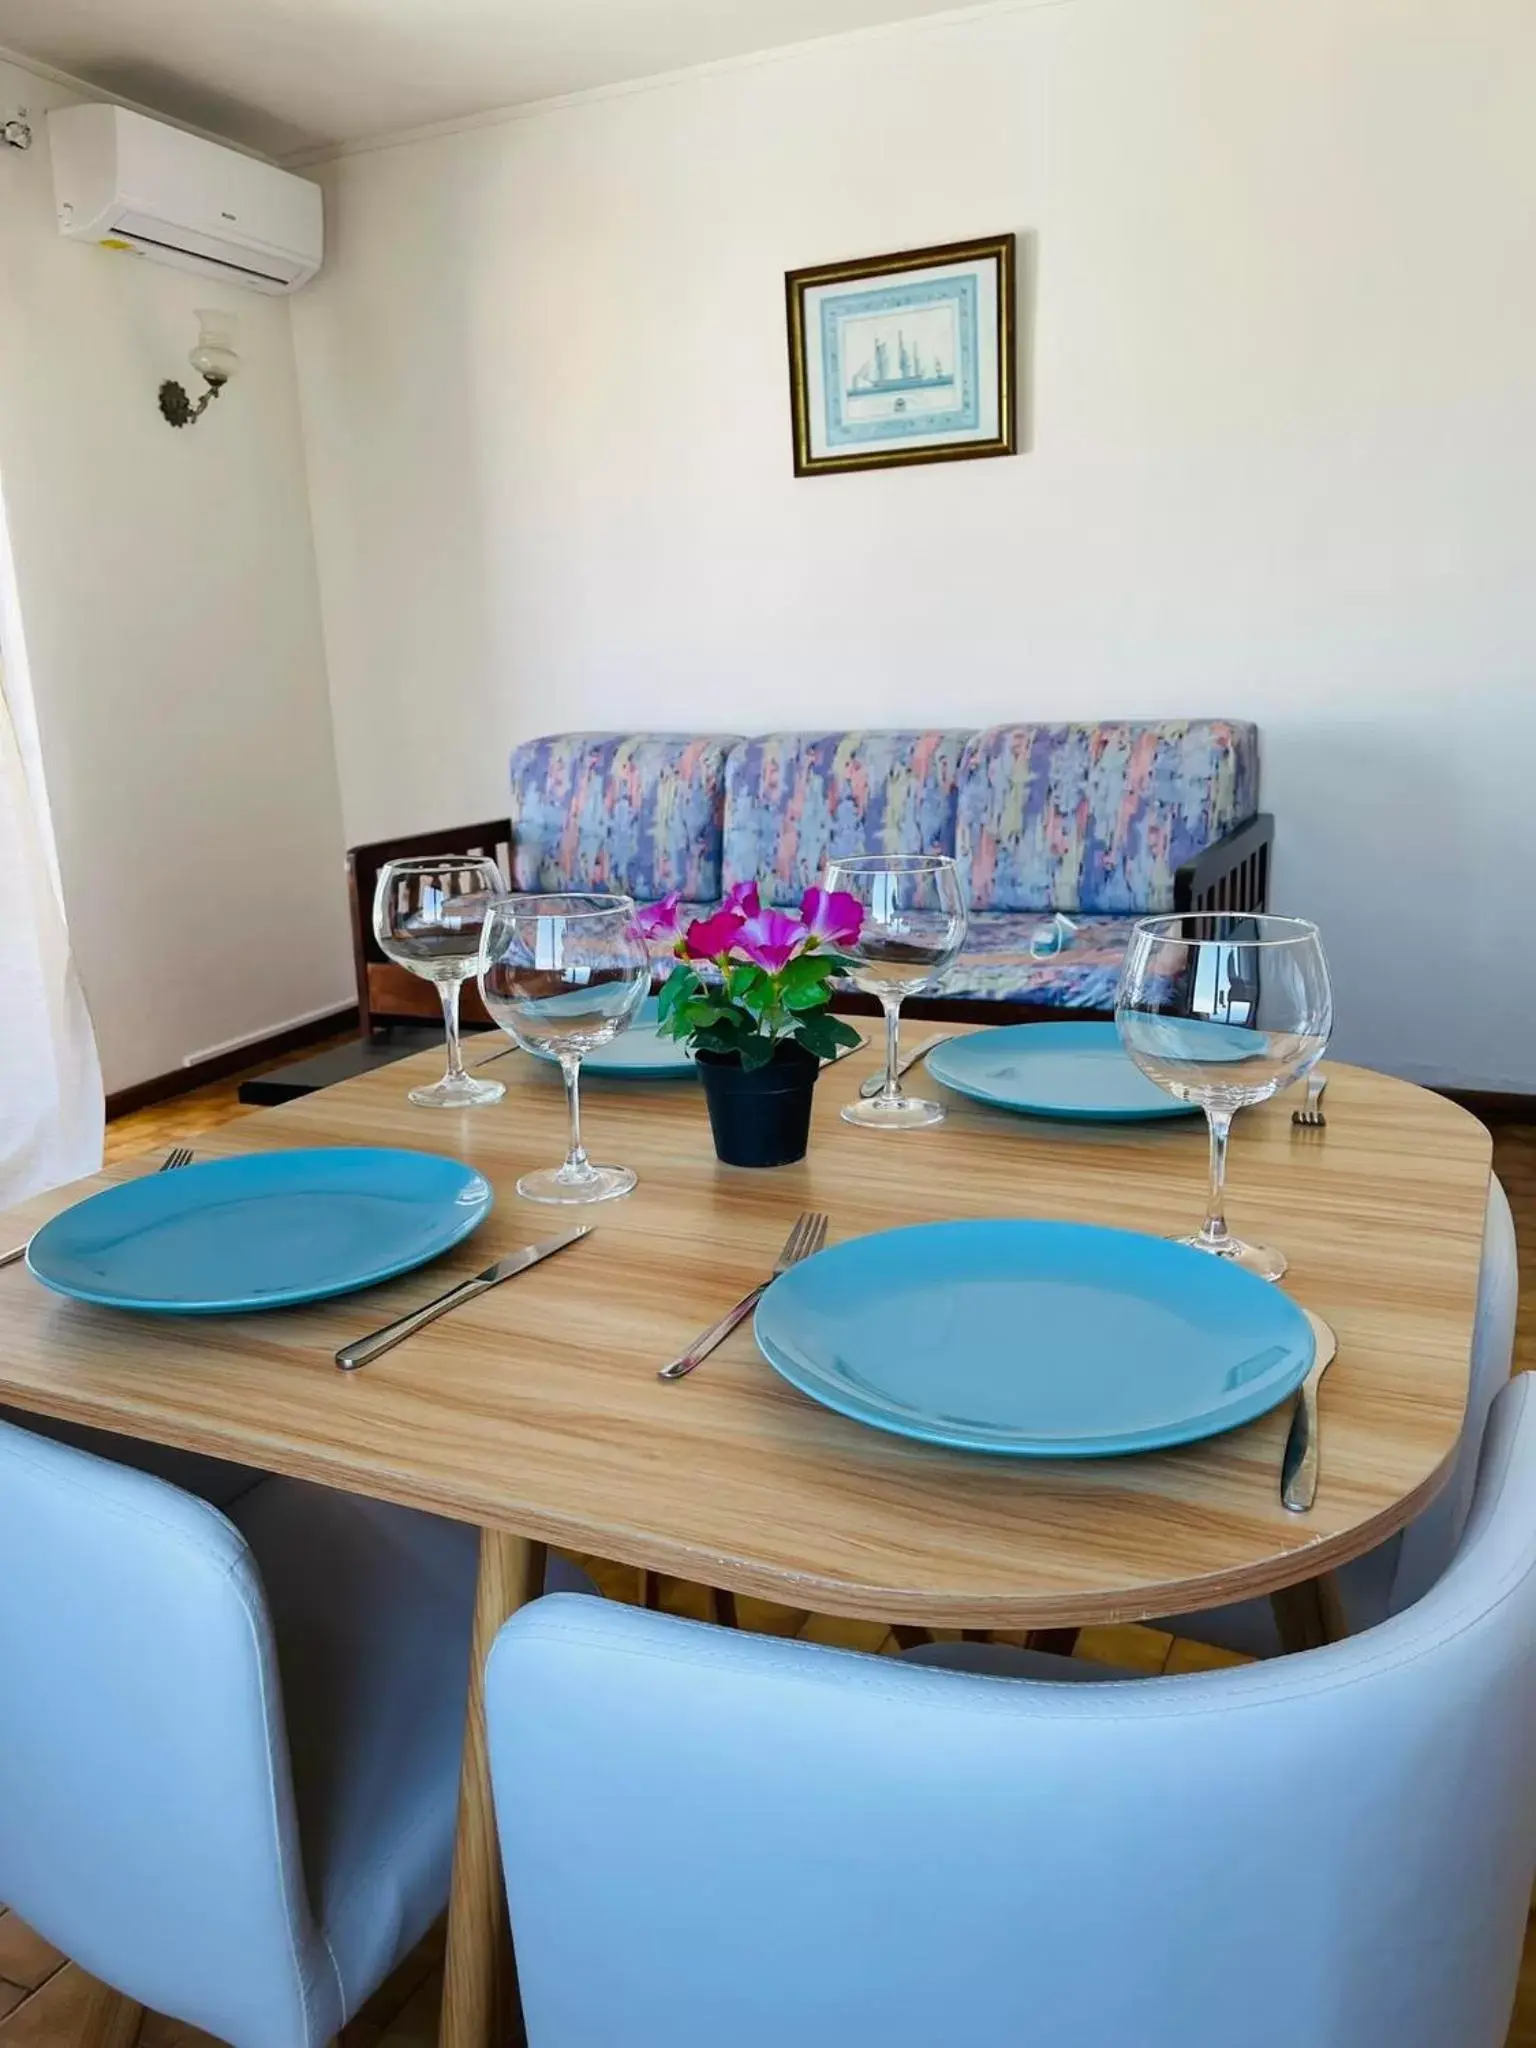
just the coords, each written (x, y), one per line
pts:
(1068, 1070)
(638, 1054)
(1037, 1340)
(262, 1231)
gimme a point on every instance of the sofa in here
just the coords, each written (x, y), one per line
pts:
(1100, 824)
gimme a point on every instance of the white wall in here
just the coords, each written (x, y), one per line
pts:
(168, 595)
(1282, 461)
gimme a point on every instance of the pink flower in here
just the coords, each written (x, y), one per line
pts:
(659, 920)
(771, 939)
(743, 898)
(832, 920)
(711, 938)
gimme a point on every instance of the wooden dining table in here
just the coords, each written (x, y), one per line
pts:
(535, 1412)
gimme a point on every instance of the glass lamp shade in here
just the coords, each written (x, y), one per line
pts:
(214, 355)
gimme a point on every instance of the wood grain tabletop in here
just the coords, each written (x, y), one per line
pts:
(536, 1408)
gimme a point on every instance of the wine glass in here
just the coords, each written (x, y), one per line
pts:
(427, 916)
(1225, 1009)
(914, 925)
(564, 974)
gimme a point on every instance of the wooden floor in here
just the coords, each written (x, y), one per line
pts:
(42, 1996)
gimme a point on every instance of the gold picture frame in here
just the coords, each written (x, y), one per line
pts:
(863, 392)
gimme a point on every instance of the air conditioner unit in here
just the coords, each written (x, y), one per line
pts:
(127, 182)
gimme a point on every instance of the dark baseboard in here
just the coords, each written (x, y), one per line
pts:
(164, 1087)
(1490, 1106)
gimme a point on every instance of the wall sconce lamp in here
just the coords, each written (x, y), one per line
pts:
(215, 360)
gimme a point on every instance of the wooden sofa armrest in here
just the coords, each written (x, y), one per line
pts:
(385, 992)
(1232, 873)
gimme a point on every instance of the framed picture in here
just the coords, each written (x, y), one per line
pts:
(905, 358)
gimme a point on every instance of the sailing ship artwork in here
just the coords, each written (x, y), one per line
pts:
(898, 368)
(904, 358)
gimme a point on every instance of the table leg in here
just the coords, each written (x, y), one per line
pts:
(908, 1637)
(722, 1607)
(1056, 1642)
(479, 1979)
(1309, 1615)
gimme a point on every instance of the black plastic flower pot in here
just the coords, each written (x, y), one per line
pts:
(760, 1117)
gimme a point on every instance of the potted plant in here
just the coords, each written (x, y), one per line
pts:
(751, 995)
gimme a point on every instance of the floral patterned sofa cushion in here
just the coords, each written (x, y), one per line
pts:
(636, 812)
(1098, 817)
(795, 800)
(998, 964)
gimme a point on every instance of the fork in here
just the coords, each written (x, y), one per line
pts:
(179, 1155)
(1310, 1116)
(808, 1236)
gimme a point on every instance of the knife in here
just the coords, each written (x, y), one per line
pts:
(1298, 1468)
(351, 1356)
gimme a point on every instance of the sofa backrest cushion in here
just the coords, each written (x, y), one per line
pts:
(635, 812)
(794, 800)
(1098, 817)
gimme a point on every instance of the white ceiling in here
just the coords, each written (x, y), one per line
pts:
(284, 76)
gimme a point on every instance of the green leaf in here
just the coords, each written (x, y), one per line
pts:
(807, 970)
(746, 983)
(678, 984)
(756, 1052)
(727, 1037)
(807, 999)
(818, 1034)
(825, 1035)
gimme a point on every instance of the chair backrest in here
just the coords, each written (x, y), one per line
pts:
(795, 800)
(146, 1808)
(713, 1837)
(635, 812)
(1098, 817)
(1429, 1542)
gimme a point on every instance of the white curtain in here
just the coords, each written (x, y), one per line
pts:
(51, 1106)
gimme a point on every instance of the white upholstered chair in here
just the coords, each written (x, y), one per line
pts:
(712, 1837)
(229, 1743)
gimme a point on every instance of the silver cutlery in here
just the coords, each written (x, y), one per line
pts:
(351, 1356)
(876, 1082)
(1310, 1116)
(808, 1236)
(179, 1155)
(1298, 1468)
